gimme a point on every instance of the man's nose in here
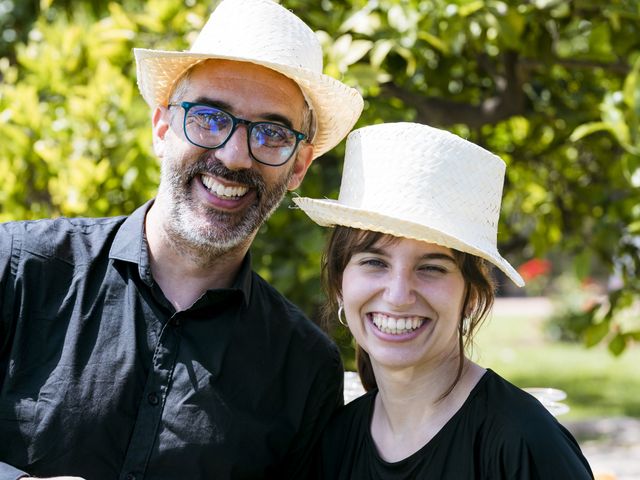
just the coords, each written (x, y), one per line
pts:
(234, 154)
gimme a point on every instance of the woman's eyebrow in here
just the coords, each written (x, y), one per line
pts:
(427, 256)
(438, 256)
(374, 250)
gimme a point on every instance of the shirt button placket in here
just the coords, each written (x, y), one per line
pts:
(150, 416)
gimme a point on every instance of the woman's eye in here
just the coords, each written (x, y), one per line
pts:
(435, 269)
(372, 262)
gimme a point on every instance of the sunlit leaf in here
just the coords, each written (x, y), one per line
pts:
(435, 42)
(379, 52)
(588, 129)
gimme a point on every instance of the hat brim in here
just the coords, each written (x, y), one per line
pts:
(336, 106)
(329, 213)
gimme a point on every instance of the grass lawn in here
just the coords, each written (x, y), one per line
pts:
(597, 383)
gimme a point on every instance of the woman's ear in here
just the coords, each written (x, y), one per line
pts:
(471, 302)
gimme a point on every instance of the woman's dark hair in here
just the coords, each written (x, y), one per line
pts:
(344, 242)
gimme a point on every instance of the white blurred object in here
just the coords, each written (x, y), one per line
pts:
(352, 386)
(550, 398)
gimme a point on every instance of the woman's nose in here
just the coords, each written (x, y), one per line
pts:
(399, 290)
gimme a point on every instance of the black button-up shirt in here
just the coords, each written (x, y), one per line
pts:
(100, 377)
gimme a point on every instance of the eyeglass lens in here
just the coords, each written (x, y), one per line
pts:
(211, 127)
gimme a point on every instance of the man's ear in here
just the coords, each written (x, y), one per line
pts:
(160, 125)
(303, 160)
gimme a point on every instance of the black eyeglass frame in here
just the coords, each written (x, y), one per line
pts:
(299, 136)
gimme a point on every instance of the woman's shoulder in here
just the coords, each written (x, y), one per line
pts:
(510, 405)
(517, 428)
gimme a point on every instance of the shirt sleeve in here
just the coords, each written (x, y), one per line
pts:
(7, 472)
(325, 397)
(550, 455)
(6, 295)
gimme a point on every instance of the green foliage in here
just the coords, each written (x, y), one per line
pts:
(76, 136)
(550, 86)
(597, 383)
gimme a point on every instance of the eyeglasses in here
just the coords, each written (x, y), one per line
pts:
(210, 127)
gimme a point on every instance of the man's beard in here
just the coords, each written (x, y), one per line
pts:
(206, 232)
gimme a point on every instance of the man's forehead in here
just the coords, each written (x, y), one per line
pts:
(211, 70)
(247, 83)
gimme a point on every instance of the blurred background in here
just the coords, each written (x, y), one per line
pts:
(551, 86)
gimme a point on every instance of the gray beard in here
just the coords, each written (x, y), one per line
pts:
(220, 232)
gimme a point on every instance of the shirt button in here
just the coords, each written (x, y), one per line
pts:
(153, 399)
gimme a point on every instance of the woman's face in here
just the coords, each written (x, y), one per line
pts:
(403, 301)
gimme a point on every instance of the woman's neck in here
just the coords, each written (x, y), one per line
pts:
(410, 410)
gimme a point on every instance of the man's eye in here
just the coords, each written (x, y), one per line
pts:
(273, 131)
(272, 135)
(214, 119)
(210, 119)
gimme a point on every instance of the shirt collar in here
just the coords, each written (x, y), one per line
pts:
(244, 278)
(130, 245)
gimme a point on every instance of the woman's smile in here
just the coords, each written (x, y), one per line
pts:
(397, 328)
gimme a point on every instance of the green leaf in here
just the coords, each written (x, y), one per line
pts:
(379, 52)
(399, 19)
(362, 21)
(435, 42)
(634, 227)
(409, 57)
(588, 129)
(631, 89)
(470, 8)
(582, 264)
(595, 333)
(357, 50)
(617, 344)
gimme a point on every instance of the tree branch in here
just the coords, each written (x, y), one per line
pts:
(508, 101)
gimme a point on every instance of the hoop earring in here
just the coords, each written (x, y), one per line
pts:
(464, 325)
(340, 312)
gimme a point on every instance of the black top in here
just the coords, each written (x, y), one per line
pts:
(500, 432)
(100, 377)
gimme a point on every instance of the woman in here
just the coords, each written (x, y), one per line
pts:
(407, 265)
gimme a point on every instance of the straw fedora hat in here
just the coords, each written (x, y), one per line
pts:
(415, 181)
(267, 34)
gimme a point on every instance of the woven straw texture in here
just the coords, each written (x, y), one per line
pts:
(415, 181)
(264, 33)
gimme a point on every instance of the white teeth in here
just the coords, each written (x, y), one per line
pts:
(394, 325)
(222, 191)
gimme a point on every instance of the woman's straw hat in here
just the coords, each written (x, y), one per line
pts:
(415, 181)
(264, 33)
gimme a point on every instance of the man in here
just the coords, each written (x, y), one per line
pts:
(144, 346)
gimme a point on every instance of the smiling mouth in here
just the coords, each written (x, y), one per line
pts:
(223, 191)
(396, 326)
